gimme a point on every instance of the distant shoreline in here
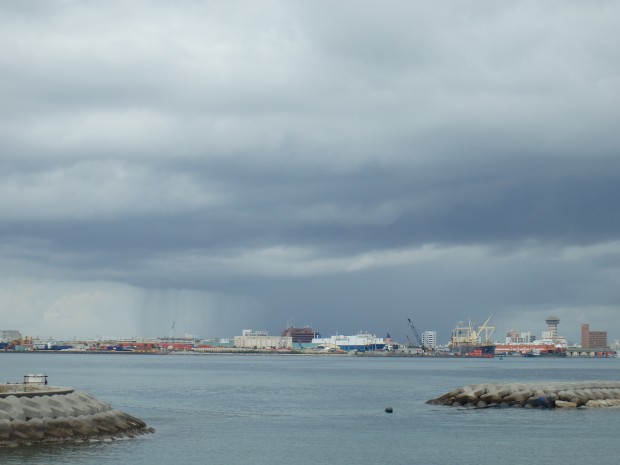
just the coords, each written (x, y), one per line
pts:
(251, 352)
(130, 352)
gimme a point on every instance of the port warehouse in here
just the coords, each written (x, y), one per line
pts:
(264, 342)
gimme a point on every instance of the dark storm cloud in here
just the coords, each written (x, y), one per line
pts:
(305, 157)
(377, 208)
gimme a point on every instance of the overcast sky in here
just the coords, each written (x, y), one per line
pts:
(349, 165)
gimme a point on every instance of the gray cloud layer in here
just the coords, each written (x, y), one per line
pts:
(348, 164)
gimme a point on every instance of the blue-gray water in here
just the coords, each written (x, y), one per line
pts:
(321, 410)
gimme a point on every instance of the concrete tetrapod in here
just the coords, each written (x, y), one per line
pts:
(45, 414)
(534, 395)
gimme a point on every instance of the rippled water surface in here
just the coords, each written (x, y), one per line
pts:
(221, 409)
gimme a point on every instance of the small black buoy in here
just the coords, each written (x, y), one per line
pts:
(388, 410)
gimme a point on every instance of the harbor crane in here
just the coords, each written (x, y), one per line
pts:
(417, 335)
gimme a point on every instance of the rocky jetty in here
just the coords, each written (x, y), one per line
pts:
(42, 414)
(534, 395)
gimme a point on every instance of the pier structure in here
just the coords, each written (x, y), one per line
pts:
(587, 352)
(33, 413)
(534, 395)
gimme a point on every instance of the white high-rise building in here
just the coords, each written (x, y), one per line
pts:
(429, 339)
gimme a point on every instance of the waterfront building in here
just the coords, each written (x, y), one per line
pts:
(513, 337)
(429, 339)
(301, 334)
(592, 339)
(251, 339)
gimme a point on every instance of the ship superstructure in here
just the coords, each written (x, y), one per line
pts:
(465, 340)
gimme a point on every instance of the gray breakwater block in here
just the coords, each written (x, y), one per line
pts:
(45, 414)
(534, 395)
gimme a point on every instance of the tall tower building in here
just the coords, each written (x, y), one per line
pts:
(552, 326)
(585, 335)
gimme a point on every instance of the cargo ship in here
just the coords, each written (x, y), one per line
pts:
(465, 341)
(361, 342)
(533, 349)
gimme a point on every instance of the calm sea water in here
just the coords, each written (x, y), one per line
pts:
(220, 409)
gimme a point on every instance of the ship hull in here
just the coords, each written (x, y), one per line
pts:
(361, 348)
(476, 351)
(530, 350)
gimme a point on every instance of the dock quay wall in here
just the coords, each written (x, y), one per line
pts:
(581, 394)
(46, 414)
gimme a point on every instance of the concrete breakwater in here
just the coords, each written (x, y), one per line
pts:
(42, 414)
(534, 395)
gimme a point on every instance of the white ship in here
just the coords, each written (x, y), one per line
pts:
(361, 342)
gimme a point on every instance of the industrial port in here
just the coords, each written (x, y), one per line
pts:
(466, 340)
